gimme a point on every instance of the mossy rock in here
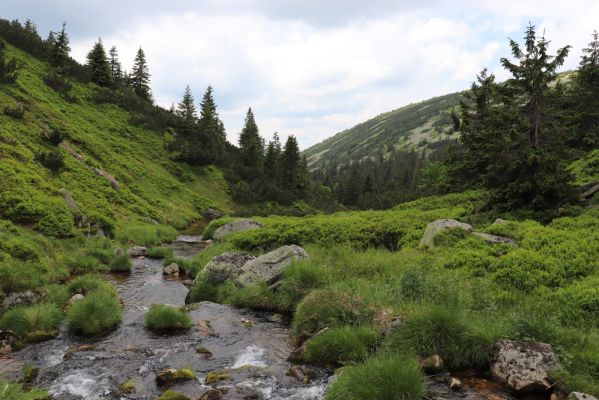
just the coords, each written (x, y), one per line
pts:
(173, 395)
(170, 376)
(128, 386)
(30, 372)
(40, 336)
(216, 376)
(204, 351)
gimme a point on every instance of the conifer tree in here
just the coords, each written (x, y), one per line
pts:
(586, 90)
(30, 27)
(59, 50)
(140, 76)
(251, 149)
(272, 158)
(186, 109)
(8, 68)
(291, 174)
(116, 71)
(98, 64)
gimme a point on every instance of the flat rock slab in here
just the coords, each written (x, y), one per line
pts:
(494, 239)
(523, 366)
(438, 226)
(240, 225)
(269, 267)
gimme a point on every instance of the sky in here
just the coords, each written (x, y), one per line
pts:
(310, 68)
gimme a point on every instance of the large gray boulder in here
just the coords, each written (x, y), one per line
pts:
(212, 214)
(494, 239)
(438, 226)
(269, 267)
(26, 298)
(240, 225)
(523, 366)
(225, 267)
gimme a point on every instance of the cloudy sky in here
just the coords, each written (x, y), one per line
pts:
(310, 67)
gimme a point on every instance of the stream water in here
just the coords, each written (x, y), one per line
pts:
(251, 347)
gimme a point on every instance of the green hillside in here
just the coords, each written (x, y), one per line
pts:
(410, 127)
(150, 188)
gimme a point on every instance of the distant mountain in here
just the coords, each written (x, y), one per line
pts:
(415, 126)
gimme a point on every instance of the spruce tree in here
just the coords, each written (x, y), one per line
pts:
(272, 158)
(8, 68)
(586, 96)
(116, 71)
(251, 149)
(293, 169)
(59, 50)
(98, 64)
(139, 78)
(186, 109)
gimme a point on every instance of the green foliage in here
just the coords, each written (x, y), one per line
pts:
(54, 135)
(89, 283)
(17, 111)
(255, 296)
(8, 68)
(214, 225)
(203, 291)
(53, 159)
(14, 391)
(84, 264)
(341, 345)
(162, 318)
(98, 313)
(120, 264)
(57, 294)
(146, 234)
(386, 377)
(586, 169)
(39, 318)
(18, 275)
(160, 252)
(97, 63)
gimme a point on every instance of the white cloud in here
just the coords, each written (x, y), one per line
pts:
(312, 79)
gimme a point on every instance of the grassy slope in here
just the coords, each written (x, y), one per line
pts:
(152, 186)
(412, 126)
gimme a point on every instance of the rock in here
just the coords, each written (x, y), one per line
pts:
(523, 366)
(212, 394)
(127, 387)
(438, 226)
(204, 351)
(455, 384)
(118, 252)
(8, 342)
(212, 214)
(240, 225)
(173, 395)
(113, 182)
(297, 355)
(499, 221)
(225, 267)
(26, 298)
(171, 269)
(188, 283)
(76, 297)
(302, 373)
(493, 239)
(580, 396)
(216, 376)
(137, 251)
(432, 364)
(269, 267)
(170, 376)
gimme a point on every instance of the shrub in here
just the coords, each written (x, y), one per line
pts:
(162, 318)
(341, 345)
(88, 283)
(34, 320)
(19, 249)
(53, 159)
(328, 308)
(386, 377)
(160, 252)
(83, 264)
(17, 111)
(58, 83)
(8, 68)
(120, 264)
(98, 313)
(55, 135)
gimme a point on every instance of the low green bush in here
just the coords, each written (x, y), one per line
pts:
(100, 248)
(162, 319)
(17, 248)
(160, 252)
(53, 159)
(17, 111)
(385, 377)
(98, 313)
(120, 263)
(341, 345)
(57, 294)
(328, 308)
(32, 320)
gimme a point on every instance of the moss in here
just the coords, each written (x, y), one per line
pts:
(127, 386)
(171, 376)
(172, 395)
(216, 376)
(204, 351)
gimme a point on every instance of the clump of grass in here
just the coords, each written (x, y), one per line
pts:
(84, 264)
(256, 297)
(120, 264)
(16, 275)
(162, 318)
(88, 283)
(202, 291)
(57, 294)
(15, 391)
(160, 252)
(298, 280)
(37, 320)
(386, 377)
(148, 235)
(328, 308)
(98, 313)
(341, 345)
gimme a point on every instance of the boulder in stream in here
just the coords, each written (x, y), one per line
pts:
(240, 225)
(171, 376)
(269, 267)
(137, 251)
(225, 267)
(212, 214)
(523, 366)
(171, 269)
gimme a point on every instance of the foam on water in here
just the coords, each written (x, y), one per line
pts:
(77, 384)
(251, 356)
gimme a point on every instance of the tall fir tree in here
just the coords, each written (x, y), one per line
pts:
(293, 173)
(186, 109)
(139, 79)
(116, 70)
(98, 65)
(59, 49)
(251, 149)
(586, 96)
(272, 158)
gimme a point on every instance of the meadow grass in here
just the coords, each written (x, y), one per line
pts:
(39, 318)
(341, 345)
(120, 263)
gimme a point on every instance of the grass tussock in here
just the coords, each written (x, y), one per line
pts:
(164, 319)
(98, 313)
(33, 321)
(341, 345)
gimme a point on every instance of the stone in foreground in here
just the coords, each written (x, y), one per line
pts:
(240, 225)
(225, 267)
(438, 226)
(171, 269)
(269, 267)
(523, 366)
